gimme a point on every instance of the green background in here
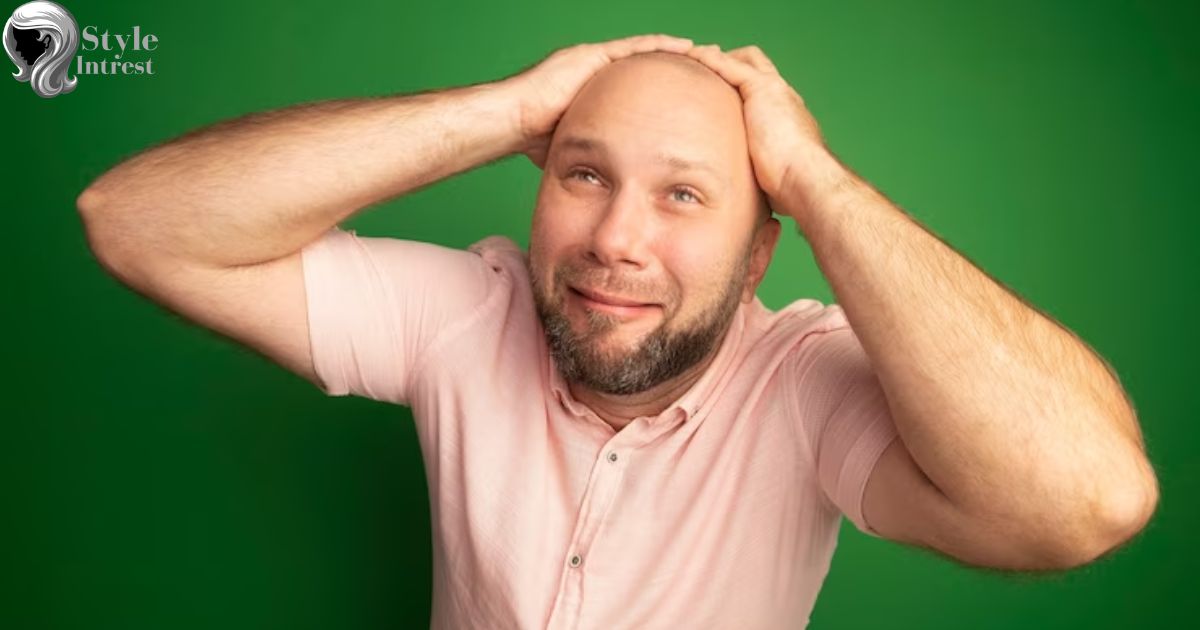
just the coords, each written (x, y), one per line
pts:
(154, 475)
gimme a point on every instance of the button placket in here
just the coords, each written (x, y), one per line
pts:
(606, 473)
(599, 495)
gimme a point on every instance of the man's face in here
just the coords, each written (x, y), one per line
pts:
(648, 197)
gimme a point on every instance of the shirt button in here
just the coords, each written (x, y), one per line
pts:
(612, 456)
(576, 560)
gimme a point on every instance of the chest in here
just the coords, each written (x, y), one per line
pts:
(551, 512)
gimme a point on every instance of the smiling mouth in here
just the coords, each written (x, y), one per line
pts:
(614, 305)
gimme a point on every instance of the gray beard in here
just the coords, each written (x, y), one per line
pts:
(661, 356)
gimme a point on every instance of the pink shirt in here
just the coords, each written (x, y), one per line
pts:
(721, 512)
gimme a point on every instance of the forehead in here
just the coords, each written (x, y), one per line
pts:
(668, 112)
(668, 159)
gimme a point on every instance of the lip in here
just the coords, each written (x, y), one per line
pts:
(611, 304)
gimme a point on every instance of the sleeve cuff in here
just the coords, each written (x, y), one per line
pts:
(321, 296)
(857, 468)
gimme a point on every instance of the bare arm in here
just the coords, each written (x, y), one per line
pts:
(262, 186)
(212, 225)
(1019, 449)
(1018, 446)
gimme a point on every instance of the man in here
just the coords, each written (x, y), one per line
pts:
(617, 432)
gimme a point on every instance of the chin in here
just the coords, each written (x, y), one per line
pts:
(615, 345)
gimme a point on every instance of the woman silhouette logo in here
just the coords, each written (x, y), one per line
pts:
(41, 38)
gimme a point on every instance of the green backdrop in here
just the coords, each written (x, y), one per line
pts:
(154, 475)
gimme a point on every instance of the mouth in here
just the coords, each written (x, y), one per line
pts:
(616, 305)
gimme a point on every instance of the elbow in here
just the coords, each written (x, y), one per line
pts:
(106, 237)
(1112, 522)
(96, 222)
(88, 202)
(95, 225)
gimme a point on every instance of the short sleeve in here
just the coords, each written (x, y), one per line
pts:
(374, 304)
(844, 416)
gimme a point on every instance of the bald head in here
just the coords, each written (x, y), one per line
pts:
(674, 103)
(680, 62)
(670, 79)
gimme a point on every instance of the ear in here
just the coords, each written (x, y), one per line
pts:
(766, 236)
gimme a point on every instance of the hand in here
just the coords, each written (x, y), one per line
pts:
(547, 89)
(780, 131)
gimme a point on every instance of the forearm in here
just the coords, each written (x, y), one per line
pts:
(262, 186)
(1008, 414)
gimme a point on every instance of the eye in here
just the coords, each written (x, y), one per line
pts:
(685, 191)
(576, 173)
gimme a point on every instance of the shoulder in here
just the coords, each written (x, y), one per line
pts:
(796, 326)
(784, 345)
(503, 253)
(812, 348)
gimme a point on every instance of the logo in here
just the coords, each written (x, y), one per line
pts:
(41, 39)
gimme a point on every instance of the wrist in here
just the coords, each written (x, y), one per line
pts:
(814, 179)
(510, 108)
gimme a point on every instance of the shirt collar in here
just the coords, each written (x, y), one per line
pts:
(694, 402)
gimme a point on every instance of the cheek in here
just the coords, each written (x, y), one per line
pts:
(701, 264)
(546, 229)
(551, 239)
(557, 216)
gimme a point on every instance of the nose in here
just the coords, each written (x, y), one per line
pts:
(621, 235)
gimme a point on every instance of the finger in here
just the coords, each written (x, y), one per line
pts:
(754, 56)
(645, 43)
(735, 71)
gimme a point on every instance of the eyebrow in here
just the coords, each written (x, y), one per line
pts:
(677, 163)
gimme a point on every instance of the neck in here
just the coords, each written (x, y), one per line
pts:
(618, 411)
